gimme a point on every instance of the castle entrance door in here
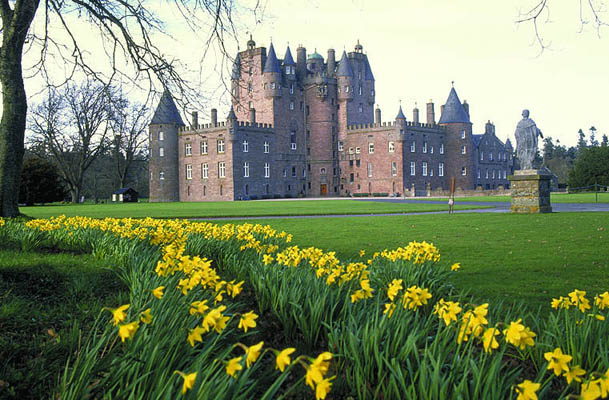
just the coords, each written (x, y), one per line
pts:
(323, 189)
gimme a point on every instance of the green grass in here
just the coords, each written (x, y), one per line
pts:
(603, 197)
(230, 209)
(47, 302)
(504, 257)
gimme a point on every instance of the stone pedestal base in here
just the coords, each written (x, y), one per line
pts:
(530, 191)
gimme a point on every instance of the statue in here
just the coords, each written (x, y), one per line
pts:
(526, 140)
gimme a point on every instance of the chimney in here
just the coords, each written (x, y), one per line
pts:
(415, 115)
(431, 116)
(442, 109)
(253, 115)
(377, 115)
(214, 117)
(194, 120)
(466, 107)
(331, 62)
(301, 62)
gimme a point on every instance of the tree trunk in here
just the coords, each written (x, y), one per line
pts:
(16, 24)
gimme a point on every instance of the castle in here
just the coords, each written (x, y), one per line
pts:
(309, 128)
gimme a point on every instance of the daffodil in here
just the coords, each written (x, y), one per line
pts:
(527, 390)
(447, 310)
(283, 358)
(578, 299)
(455, 267)
(574, 373)
(317, 369)
(126, 331)
(158, 292)
(118, 314)
(252, 353)
(233, 366)
(519, 335)
(602, 300)
(558, 361)
(322, 389)
(591, 391)
(248, 320)
(195, 335)
(145, 316)
(189, 380)
(488, 339)
(394, 287)
(389, 309)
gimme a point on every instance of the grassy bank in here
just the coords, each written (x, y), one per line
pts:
(230, 209)
(601, 197)
(47, 302)
(503, 256)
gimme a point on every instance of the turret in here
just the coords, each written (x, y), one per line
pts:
(289, 66)
(377, 115)
(231, 118)
(301, 62)
(431, 115)
(315, 63)
(272, 75)
(400, 120)
(164, 168)
(331, 62)
(344, 77)
(235, 77)
(415, 114)
(251, 45)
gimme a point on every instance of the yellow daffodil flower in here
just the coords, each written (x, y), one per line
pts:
(195, 335)
(558, 361)
(602, 300)
(527, 390)
(233, 366)
(146, 317)
(248, 320)
(189, 380)
(158, 292)
(455, 267)
(488, 339)
(574, 373)
(283, 358)
(252, 353)
(118, 314)
(126, 331)
(322, 389)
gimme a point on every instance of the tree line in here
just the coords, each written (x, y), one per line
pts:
(91, 139)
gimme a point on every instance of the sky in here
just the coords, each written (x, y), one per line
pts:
(416, 49)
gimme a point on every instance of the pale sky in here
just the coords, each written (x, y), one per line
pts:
(416, 48)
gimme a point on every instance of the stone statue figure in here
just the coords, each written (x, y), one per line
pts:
(526, 140)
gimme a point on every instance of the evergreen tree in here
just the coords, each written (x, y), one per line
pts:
(581, 140)
(548, 149)
(591, 167)
(40, 182)
(605, 141)
(593, 141)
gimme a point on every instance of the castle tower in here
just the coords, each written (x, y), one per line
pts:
(289, 66)
(344, 83)
(458, 142)
(163, 135)
(271, 75)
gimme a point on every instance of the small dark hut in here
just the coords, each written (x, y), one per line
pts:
(125, 195)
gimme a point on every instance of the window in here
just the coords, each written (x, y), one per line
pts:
(246, 169)
(442, 148)
(188, 149)
(486, 175)
(161, 136)
(481, 156)
(245, 146)
(357, 151)
(291, 105)
(504, 174)
(293, 146)
(272, 85)
(204, 147)
(293, 172)
(250, 88)
(188, 171)
(369, 170)
(413, 147)
(463, 171)
(285, 172)
(424, 168)
(371, 148)
(431, 172)
(441, 169)
(220, 145)
(478, 173)
(292, 90)
(267, 170)
(463, 134)
(161, 175)
(490, 156)
(266, 147)
(413, 168)
(391, 147)
(351, 178)
(360, 88)
(161, 152)
(357, 163)
(340, 146)
(424, 147)
(346, 88)
(431, 150)
(350, 150)
(360, 107)
(394, 168)
(493, 174)
(204, 171)
(304, 173)
(251, 70)
(221, 169)
(463, 149)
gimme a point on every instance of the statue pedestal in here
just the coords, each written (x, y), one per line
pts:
(530, 191)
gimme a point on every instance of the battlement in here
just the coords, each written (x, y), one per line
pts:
(255, 125)
(199, 127)
(392, 124)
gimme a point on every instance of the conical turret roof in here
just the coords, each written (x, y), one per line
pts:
(272, 65)
(287, 59)
(368, 73)
(167, 112)
(344, 66)
(400, 114)
(453, 110)
(231, 114)
(237, 68)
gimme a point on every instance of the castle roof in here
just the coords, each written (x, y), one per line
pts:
(476, 139)
(231, 114)
(453, 110)
(236, 68)
(272, 65)
(344, 66)
(167, 112)
(315, 55)
(400, 114)
(368, 73)
(287, 59)
(508, 143)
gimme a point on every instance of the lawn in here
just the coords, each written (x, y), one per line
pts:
(231, 209)
(503, 257)
(47, 302)
(601, 197)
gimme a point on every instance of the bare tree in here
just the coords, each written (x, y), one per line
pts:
(129, 123)
(73, 126)
(127, 28)
(590, 12)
